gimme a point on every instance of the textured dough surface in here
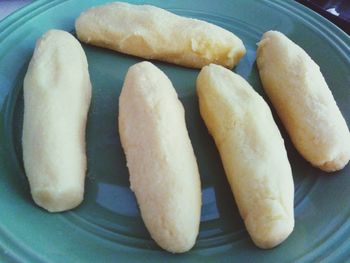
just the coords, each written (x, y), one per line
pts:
(252, 151)
(303, 101)
(57, 93)
(154, 33)
(161, 162)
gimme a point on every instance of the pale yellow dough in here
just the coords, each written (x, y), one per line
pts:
(57, 93)
(154, 33)
(161, 162)
(299, 93)
(252, 151)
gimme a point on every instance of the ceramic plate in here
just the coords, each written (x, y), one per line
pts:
(107, 226)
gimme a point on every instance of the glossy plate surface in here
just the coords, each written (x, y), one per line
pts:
(107, 226)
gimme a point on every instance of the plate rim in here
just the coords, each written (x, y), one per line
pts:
(32, 10)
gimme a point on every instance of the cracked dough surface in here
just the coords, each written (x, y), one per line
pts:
(154, 33)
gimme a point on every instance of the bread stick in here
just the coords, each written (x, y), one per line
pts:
(161, 162)
(303, 101)
(57, 93)
(252, 152)
(154, 33)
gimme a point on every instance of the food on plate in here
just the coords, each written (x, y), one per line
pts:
(252, 152)
(154, 33)
(162, 166)
(303, 101)
(57, 94)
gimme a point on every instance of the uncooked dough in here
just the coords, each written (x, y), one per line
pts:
(161, 162)
(252, 152)
(57, 94)
(154, 33)
(303, 101)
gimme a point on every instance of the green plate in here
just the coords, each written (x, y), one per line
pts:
(107, 227)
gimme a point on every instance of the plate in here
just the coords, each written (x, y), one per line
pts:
(107, 226)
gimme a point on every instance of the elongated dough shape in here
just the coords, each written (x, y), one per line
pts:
(252, 151)
(162, 166)
(298, 91)
(57, 94)
(154, 33)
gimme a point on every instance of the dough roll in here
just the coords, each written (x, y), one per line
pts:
(163, 169)
(57, 93)
(154, 33)
(303, 101)
(252, 152)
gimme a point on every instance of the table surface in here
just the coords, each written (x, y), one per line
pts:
(9, 6)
